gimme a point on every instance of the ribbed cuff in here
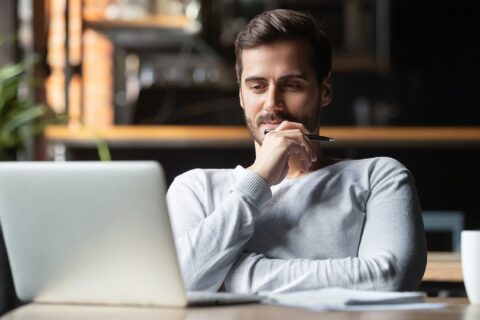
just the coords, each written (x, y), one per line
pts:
(253, 186)
(240, 278)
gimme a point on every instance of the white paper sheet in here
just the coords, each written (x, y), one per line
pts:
(329, 299)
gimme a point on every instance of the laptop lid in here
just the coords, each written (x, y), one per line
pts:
(89, 232)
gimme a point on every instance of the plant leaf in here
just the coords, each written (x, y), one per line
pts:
(10, 71)
(17, 119)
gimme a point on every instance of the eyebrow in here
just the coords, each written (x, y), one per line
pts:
(284, 77)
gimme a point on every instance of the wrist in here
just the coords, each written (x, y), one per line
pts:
(253, 185)
(260, 173)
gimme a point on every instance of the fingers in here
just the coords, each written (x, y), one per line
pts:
(286, 142)
(295, 131)
(295, 145)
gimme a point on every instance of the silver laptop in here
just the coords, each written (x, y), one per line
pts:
(93, 232)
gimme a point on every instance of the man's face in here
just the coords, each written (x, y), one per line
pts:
(278, 83)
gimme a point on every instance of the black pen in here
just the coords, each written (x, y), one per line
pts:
(309, 136)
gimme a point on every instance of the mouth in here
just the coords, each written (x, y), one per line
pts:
(270, 125)
(268, 121)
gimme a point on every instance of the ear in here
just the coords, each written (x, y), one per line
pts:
(326, 90)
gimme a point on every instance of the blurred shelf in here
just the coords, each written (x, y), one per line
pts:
(443, 267)
(153, 21)
(153, 31)
(405, 136)
(238, 136)
(152, 136)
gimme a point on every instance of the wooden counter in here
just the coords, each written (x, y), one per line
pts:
(455, 308)
(238, 136)
(443, 267)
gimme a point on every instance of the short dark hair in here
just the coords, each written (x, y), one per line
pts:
(281, 24)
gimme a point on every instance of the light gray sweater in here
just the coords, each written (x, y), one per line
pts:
(353, 224)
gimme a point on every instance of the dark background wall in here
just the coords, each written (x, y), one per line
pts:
(435, 51)
(435, 68)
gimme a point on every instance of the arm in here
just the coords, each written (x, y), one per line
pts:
(210, 239)
(210, 233)
(391, 254)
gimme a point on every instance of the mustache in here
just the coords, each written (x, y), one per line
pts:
(278, 116)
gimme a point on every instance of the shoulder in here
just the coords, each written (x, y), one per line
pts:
(377, 170)
(201, 179)
(375, 166)
(389, 175)
(375, 163)
(384, 168)
(205, 174)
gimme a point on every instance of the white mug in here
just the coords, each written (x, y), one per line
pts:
(471, 264)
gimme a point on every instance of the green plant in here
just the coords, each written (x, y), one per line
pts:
(20, 118)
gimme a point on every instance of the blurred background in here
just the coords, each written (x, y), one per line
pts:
(82, 79)
(169, 63)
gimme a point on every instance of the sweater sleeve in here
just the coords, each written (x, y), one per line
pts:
(391, 254)
(208, 243)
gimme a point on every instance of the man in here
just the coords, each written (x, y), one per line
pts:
(295, 219)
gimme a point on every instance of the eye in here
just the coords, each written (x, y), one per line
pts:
(256, 86)
(293, 86)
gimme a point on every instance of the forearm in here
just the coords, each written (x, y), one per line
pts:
(254, 273)
(208, 243)
(207, 252)
(391, 253)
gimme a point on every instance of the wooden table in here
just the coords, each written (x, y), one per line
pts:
(443, 267)
(458, 308)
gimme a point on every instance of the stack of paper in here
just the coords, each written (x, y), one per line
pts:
(348, 299)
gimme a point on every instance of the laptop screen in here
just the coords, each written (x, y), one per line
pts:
(89, 232)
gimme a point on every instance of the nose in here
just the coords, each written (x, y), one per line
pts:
(273, 99)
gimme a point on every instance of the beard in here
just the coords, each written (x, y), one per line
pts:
(310, 122)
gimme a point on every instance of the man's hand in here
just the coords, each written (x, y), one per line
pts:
(287, 142)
